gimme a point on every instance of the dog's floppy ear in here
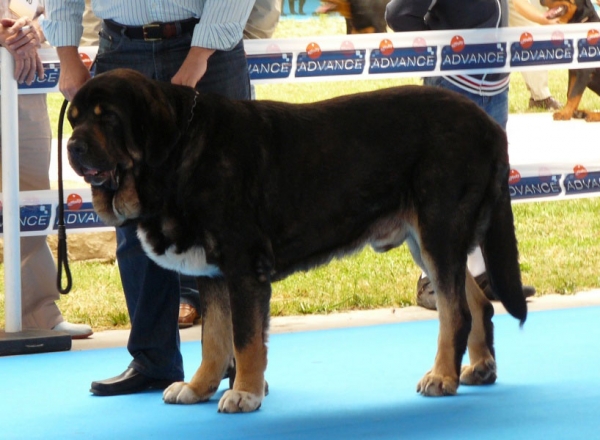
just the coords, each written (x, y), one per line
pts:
(155, 125)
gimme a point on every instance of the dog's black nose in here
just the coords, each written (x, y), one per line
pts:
(77, 147)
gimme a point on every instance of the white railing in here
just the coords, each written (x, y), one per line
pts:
(332, 58)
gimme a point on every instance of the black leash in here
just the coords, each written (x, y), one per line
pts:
(63, 259)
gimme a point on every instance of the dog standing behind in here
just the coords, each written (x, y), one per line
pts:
(362, 16)
(576, 11)
(249, 192)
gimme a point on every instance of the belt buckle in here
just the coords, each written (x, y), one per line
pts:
(149, 32)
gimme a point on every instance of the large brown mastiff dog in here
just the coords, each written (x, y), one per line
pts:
(249, 192)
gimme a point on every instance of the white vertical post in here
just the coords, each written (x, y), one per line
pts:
(10, 193)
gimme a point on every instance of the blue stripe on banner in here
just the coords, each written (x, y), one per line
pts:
(378, 56)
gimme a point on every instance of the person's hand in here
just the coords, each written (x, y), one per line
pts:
(73, 73)
(193, 68)
(22, 40)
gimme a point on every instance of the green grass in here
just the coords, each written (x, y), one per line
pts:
(559, 247)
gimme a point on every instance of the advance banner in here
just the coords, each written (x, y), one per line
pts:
(433, 53)
(379, 56)
(393, 55)
(38, 212)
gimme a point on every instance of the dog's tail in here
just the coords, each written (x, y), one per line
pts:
(499, 248)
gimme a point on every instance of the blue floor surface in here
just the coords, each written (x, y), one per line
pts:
(334, 384)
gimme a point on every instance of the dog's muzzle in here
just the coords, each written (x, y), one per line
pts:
(95, 176)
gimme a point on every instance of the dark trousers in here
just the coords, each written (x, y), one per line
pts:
(152, 293)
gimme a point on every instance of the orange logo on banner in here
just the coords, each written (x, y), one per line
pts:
(557, 38)
(87, 61)
(526, 40)
(313, 51)
(419, 44)
(514, 177)
(74, 202)
(593, 36)
(545, 174)
(273, 49)
(386, 47)
(347, 48)
(457, 43)
(580, 171)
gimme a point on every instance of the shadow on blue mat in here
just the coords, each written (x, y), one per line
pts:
(335, 384)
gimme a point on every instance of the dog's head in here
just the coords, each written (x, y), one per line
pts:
(570, 11)
(115, 131)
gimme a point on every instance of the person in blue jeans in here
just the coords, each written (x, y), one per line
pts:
(199, 44)
(488, 91)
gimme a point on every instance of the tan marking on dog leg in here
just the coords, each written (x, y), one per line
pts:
(567, 111)
(249, 387)
(217, 356)
(482, 370)
(442, 379)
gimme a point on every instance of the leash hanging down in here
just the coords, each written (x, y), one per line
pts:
(62, 254)
(63, 259)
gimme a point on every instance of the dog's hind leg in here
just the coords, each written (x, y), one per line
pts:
(448, 281)
(482, 369)
(217, 346)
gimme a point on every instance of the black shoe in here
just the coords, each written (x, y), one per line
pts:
(545, 104)
(426, 294)
(128, 382)
(484, 284)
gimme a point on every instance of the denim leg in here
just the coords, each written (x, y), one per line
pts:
(231, 65)
(152, 296)
(496, 106)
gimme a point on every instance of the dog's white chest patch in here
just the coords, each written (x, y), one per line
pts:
(192, 262)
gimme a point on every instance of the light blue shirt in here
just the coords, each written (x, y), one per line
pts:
(221, 23)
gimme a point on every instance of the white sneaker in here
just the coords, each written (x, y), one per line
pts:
(77, 331)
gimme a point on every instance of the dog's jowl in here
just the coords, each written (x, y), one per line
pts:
(249, 192)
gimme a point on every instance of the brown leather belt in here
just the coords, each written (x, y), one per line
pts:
(154, 31)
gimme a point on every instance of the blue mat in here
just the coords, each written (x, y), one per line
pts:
(335, 384)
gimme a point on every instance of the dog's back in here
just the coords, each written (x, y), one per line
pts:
(441, 152)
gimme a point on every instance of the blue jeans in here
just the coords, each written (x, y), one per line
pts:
(496, 106)
(151, 292)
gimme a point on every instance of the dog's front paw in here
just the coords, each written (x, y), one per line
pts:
(182, 393)
(239, 401)
(592, 117)
(562, 115)
(437, 385)
(480, 373)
